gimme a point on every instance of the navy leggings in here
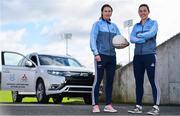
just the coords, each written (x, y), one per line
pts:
(107, 63)
(140, 64)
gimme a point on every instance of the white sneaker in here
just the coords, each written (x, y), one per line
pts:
(95, 109)
(109, 108)
(136, 110)
(154, 111)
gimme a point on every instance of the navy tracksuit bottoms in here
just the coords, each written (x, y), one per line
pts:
(140, 64)
(107, 63)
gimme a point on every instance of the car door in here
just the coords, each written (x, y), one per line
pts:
(15, 75)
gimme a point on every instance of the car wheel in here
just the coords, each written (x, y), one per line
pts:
(57, 99)
(16, 97)
(41, 93)
(87, 99)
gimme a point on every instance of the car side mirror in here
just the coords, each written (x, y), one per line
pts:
(29, 64)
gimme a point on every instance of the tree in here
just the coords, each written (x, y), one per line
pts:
(118, 66)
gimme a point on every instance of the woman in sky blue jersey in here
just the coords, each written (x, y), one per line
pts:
(104, 53)
(143, 36)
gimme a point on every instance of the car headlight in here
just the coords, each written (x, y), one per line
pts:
(58, 73)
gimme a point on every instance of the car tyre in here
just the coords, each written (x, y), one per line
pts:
(41, 93)
(16, 97)
(57, 99)
(88, 99)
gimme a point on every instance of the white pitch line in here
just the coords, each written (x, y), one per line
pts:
(31, 105)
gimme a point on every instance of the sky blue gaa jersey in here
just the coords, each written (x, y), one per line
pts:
(101, 37)
(144, 37)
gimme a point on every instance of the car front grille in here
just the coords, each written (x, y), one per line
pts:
(80, 80)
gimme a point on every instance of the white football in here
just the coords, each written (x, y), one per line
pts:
(119, 42)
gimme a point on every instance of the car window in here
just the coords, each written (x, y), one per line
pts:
(21, 62)
(12, 59)
(73, 62)
(34, 59)
(58, 61)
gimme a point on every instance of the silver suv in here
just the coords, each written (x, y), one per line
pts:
(45, 76)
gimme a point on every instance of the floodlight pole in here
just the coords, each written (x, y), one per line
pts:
(129, 44)
(66, 37)
(128, 24)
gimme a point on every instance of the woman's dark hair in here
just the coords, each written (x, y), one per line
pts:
(102, 8)
(145, 5)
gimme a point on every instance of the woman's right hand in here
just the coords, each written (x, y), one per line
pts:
(98, 58)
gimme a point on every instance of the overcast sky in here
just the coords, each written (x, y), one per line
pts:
(38, 25)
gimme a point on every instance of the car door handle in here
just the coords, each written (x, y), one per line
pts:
(5, 71)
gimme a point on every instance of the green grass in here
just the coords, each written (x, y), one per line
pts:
(5, 96)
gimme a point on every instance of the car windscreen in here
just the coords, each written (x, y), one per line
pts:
(58, 61)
